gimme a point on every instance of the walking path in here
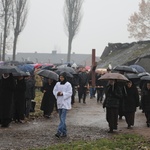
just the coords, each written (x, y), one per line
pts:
(92, 114)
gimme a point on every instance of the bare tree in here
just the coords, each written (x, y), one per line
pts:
(139, 23)
(5, 9)
(20, 11)
(72, 17)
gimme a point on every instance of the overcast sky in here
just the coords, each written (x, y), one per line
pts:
(104, 21)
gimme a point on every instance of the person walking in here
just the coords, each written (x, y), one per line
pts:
(82, 85)
(113, 94)
(7, 87)
(130, 102)
(63, 92)
(145, 103)
(100, 86)
(29, 94)
(48, 100)
(19, 100)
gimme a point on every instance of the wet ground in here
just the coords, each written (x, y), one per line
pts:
(84, 121)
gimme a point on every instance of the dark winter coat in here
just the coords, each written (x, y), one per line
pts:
(7, 87)
(48, 99)
(100, 84)
(113, 95)
(83, 79)
(30, 89)
(19, 99)
(145, 100)
(131, 100)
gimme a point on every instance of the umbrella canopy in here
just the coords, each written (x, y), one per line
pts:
(48, 74)
(143, 74)
(126, 69)
(145, 78)
(67, 73)
(26, 68)
(21, 73)
(113, 76)
(9, 69)
(139, 69)
(66, 69)
(133, 77)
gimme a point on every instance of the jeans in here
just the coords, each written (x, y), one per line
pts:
(62, 126)
(28, 107)
(92, 92)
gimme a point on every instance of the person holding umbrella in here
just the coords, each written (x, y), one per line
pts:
(19, 100)
(130, 102)
(7, 87)
(48, 100)
(83, 84)
(113, 94)
(145, 102)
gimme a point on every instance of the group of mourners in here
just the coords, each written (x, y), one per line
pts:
(16, 94)
(121, 98)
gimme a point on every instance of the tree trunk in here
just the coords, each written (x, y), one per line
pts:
(69, 49)
(4, 44)
(14, 47)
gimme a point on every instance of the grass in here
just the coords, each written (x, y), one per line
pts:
(38, 113)
(118, 142)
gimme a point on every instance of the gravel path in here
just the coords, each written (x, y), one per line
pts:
(84, 121)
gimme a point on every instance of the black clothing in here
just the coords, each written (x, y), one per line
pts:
(7, 87)
(113, 94)
(82, 88)
(48, 100)
(100, 86)
(19, 100)
(130, 102)
(29, 94)
(145, 104)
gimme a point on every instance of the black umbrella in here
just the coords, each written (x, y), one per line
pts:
(67, 69)
(67, 73)
(9, 69)
(145, 78)
(139, 69)
(134, 78)
(48, 74)
(143, 74)
(126, 69)
(21, 74)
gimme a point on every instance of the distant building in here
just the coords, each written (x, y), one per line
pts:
(54, 58)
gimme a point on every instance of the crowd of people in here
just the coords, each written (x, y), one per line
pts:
(119, 98)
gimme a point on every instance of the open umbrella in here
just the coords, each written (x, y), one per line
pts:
(26, 68)
(143, 74)
(9, 69)
(139, 69)
(67, 73)
(145, 78)
(21, 73)
(126, 69)
(67, 69)
(48, 74)
(113, 76)
(133, 77)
